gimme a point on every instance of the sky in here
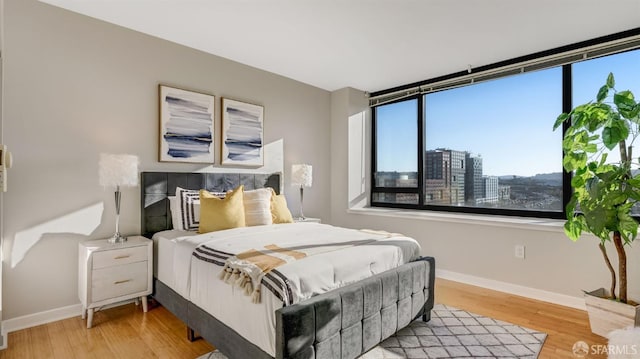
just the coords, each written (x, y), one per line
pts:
(508, 122)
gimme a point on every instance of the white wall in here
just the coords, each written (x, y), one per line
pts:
(471, 246)
(76, 87)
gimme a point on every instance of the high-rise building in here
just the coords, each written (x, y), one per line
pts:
(445, 177)
(437, 177)
(474, 184)
(490, 188)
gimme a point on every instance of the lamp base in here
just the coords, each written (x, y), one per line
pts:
(117, 238)
(301, 197)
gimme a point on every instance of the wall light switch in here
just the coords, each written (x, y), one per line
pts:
(6, 161)
(519, 251)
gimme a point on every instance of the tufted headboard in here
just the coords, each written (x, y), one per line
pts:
(156, 187)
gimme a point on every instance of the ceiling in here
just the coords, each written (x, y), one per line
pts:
(370, 45)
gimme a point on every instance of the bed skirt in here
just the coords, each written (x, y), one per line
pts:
(343, 323)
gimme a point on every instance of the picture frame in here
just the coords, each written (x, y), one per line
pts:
(186, 126)
(242, 133)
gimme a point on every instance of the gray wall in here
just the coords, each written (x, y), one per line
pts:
(76, 87)
(478, 248)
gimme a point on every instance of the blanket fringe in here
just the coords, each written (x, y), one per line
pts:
(237, 278)
(223, 273)
(255, 297)
(248, 287)
(235, 275)
(241, 279)
(228, 275)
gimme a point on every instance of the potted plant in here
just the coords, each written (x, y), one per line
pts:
(604, 192)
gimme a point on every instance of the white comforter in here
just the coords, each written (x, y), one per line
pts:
(199, 282)
(335, 256)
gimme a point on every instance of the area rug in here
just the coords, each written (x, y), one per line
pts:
(454, 333)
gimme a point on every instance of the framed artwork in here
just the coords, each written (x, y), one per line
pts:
(242, 133)
(186, 126)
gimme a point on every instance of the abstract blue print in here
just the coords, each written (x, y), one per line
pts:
(242, 133)
(187, 126)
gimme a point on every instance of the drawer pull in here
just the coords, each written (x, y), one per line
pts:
(123, 257)
(122, 281)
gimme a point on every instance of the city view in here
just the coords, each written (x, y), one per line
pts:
(456, 178)
(490, 144)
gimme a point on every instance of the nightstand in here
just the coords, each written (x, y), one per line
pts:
(114, 272)
(307, 219)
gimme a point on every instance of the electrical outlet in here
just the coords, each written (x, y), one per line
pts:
(519, 251)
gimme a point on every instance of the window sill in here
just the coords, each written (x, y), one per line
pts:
(540, 224)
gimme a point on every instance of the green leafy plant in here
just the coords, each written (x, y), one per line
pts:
(604, 192)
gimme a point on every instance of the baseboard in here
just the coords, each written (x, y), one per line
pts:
(533, 293)
(48, 316)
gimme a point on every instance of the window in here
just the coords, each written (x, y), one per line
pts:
(502, 128)
(586, 82)
(487, 147)
(587, 79)
(396, 148)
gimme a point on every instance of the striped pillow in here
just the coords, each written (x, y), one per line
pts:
(185, 208)
(188, 209)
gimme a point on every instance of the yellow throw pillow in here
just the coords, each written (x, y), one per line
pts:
(221, 213)
(279, 210)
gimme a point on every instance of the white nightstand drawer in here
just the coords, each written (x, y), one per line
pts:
(112, 282)
(119, 256)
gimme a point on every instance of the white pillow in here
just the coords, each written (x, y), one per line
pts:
(257, 207)
(175, 215)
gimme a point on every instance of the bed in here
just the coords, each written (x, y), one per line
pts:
(341, 323)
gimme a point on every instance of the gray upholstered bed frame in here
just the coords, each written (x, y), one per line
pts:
(343, 323)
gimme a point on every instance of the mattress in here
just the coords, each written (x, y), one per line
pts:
(164, 244)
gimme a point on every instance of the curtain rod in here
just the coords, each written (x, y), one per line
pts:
(567, 57)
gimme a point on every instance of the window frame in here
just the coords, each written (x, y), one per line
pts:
(419, 190)
(412, 94)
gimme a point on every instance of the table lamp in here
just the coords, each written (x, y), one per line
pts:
(118, 171)
(301, 175)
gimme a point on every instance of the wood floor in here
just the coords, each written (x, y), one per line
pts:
(126, 332)
(564, 326)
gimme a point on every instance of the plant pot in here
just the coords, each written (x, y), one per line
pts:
(606, 315)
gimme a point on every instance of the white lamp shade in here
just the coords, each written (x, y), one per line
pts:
(301, 175)
(118, 170)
